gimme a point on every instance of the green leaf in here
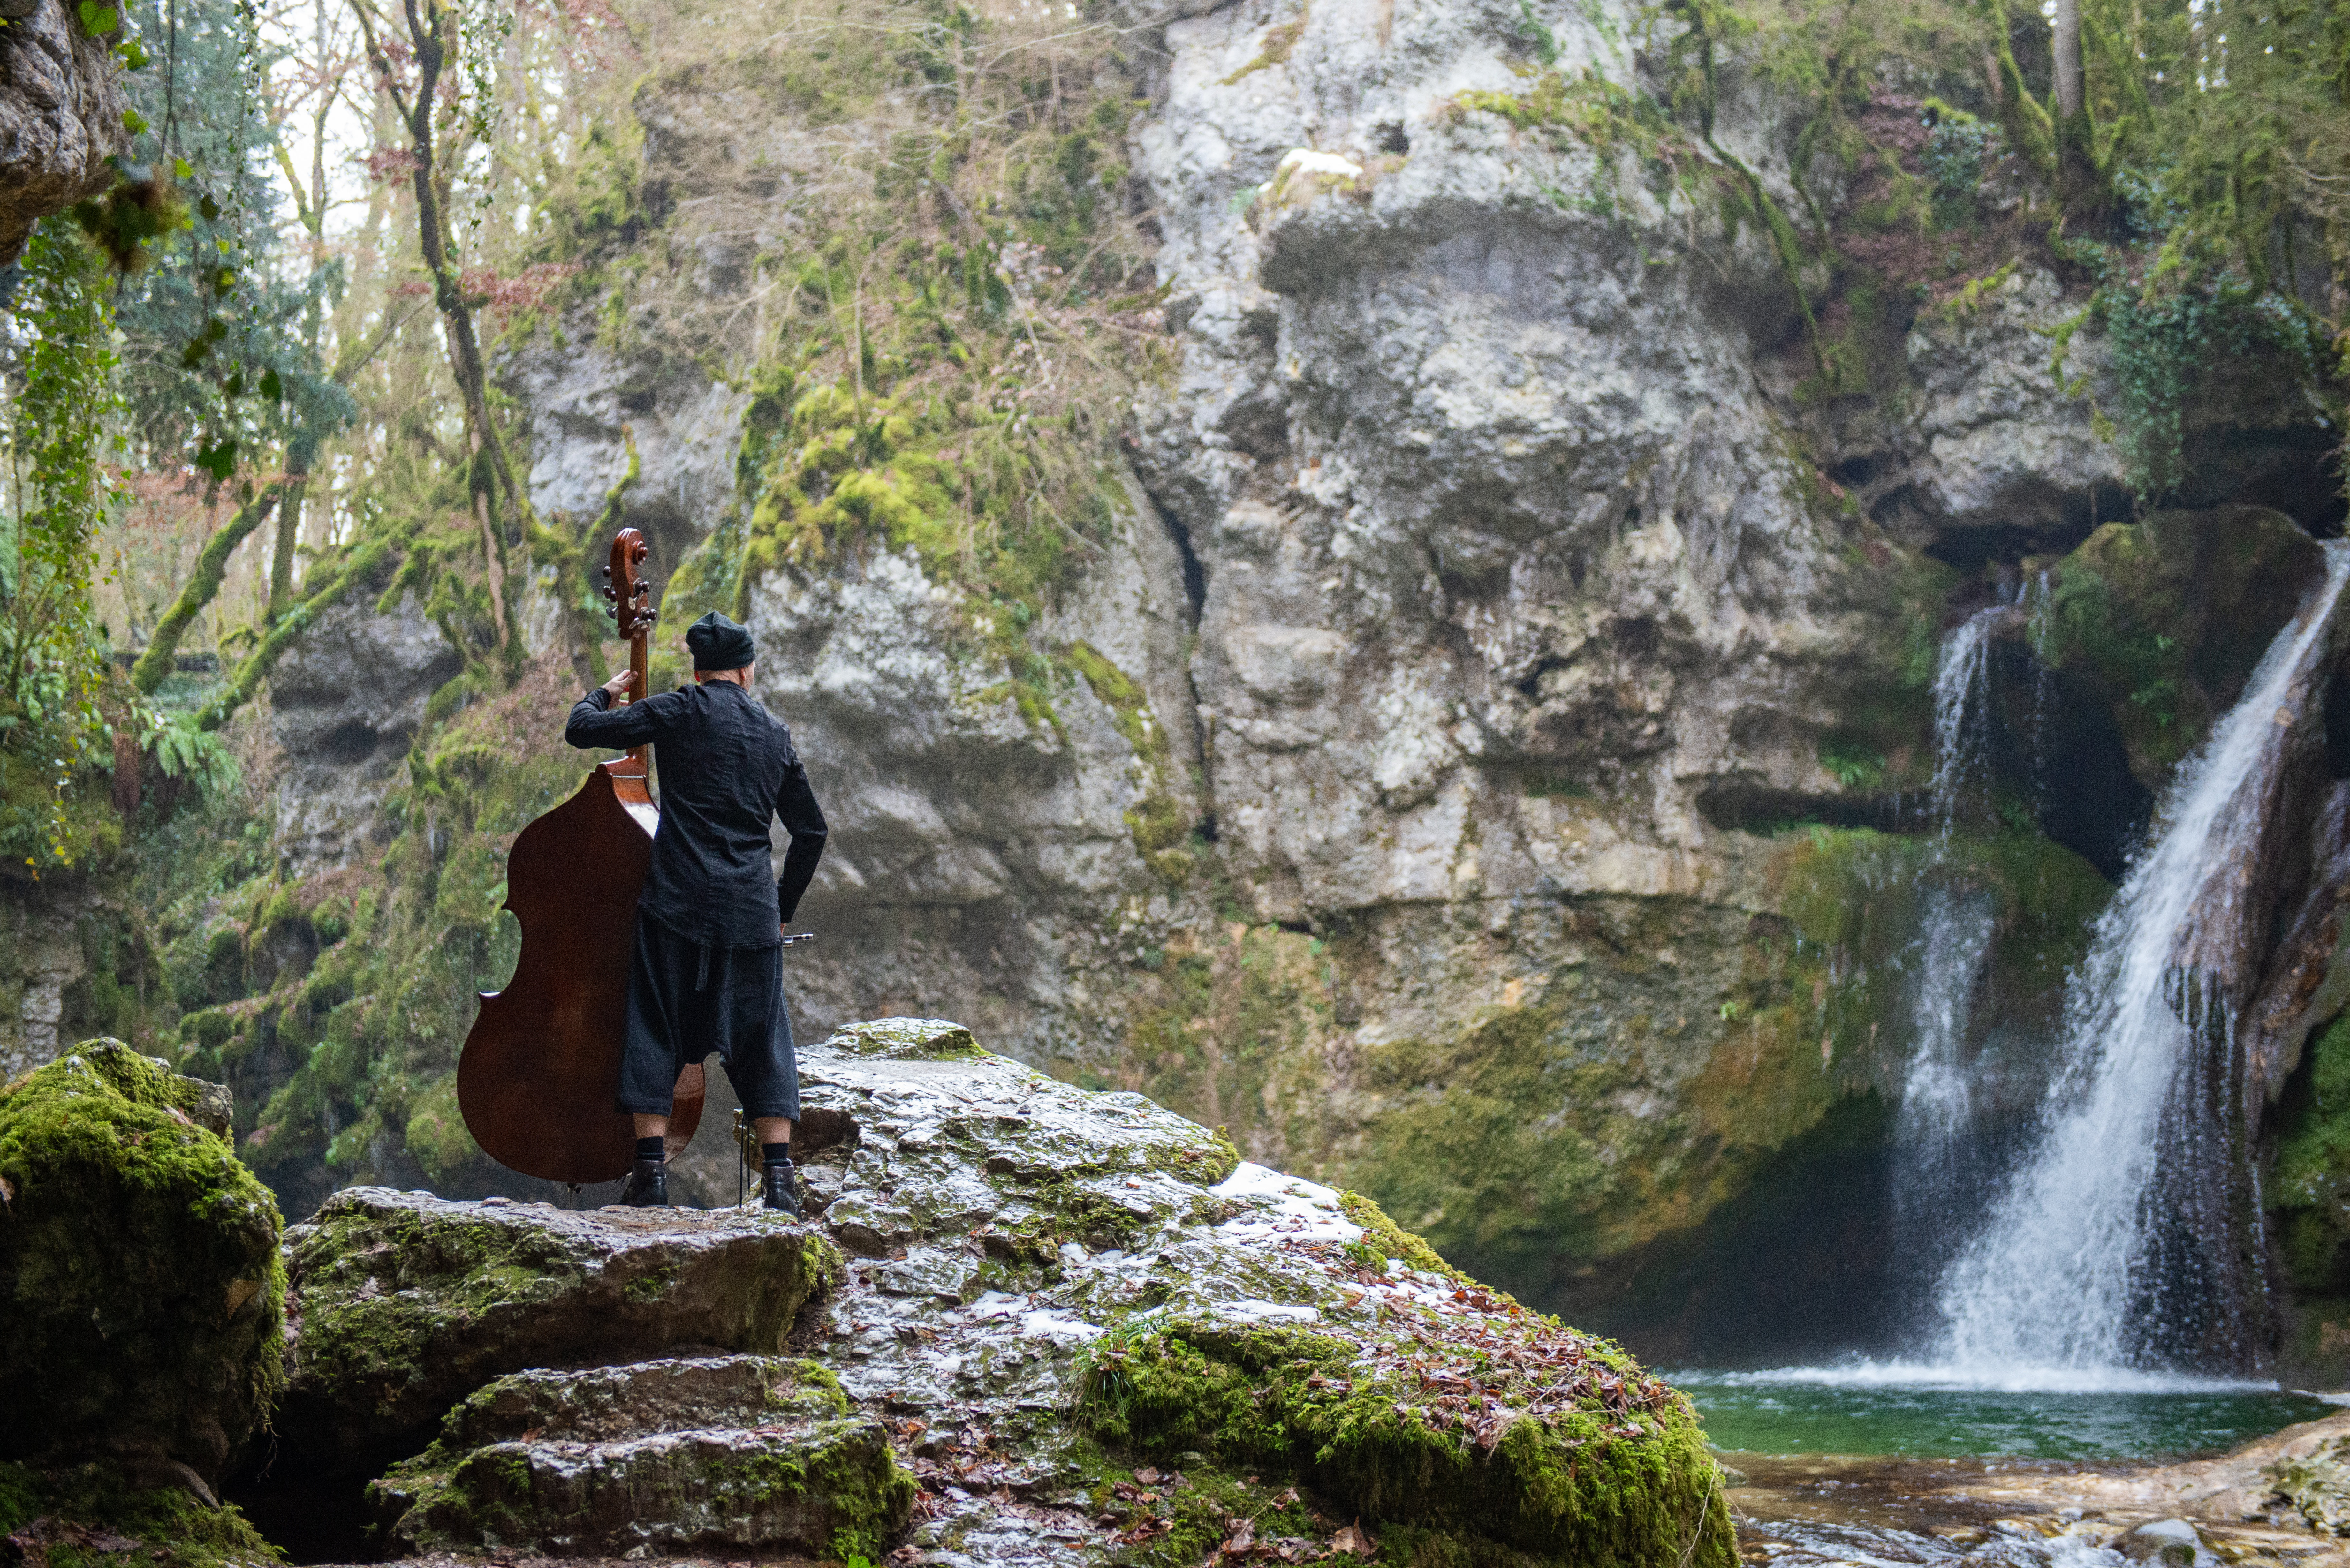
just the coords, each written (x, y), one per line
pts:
(225, 280)
(211, 210)
(133, 121)
(182, 169)
(218, 459)
(98, 20)
(235, 387)
(271, 387)
(132, 54)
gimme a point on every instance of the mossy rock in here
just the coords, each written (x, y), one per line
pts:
(141, 1294)
(406, 1303)
(1558, 1446)
(2165, 619)
(909, 1040)
(86, 1515)
(745, 1453)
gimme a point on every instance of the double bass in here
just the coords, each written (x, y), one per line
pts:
(542, 1063)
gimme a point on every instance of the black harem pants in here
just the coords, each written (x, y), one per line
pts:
(687, 999)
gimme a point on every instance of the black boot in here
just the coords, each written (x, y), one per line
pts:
(780, 1187)
(647, 1185)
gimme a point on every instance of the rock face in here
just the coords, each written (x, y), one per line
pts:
(743, 1452)
(403, 1304)
(41, 932)
(140, 1291)
(60, 116)
(1088, 1330)
(1496, 594)
(345, 701)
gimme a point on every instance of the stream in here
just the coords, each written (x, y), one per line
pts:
(1874, 1464)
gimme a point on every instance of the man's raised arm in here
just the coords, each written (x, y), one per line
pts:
(596, 723)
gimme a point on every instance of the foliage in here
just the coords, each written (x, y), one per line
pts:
(336, 1005)
(2203, 188)
(221, 351)
(199, 756)
(54, 675)
(2175, 353)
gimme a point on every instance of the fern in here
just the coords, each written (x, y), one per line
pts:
(198, 756)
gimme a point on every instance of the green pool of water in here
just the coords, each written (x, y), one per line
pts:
(1832, 1412)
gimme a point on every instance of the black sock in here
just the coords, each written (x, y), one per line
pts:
(652, 1148)
(775, 1153)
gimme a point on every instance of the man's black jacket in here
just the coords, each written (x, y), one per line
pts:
(726, 766)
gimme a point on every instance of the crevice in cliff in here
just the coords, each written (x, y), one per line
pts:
(1195, 575)
(1752, 807)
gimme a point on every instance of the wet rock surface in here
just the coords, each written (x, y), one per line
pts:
(1072, 1328)
(404, 1303)
(728, 1453)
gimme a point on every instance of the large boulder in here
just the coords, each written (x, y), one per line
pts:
(403, 1304)
(1057, 1288)
(141, 1295)
(1077, 1322)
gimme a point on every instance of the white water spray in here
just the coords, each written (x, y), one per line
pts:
(2045, 1290)
(1961, 690)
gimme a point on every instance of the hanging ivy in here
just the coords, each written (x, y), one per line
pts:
(60, 427)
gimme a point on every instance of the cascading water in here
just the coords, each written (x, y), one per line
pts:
(1936, 1108)
(1961, 687)
(2066, 1276)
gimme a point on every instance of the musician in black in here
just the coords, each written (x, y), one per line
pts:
(708, 973)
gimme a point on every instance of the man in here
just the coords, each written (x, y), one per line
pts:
(708, 974)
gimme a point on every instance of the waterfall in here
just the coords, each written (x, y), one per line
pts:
(2118, 1212)
(1936, 1110)
(1961, 749)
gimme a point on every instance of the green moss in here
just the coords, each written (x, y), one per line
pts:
(1279, 41)
(1632, 1092)
(2165, 618)
(171, 1528)
(1383, 1239)
(827, 1484)
(1161, 829)
(435, 1132)
(168, 1338)
(2313, 1165)
(1223, 1022)
(1551, 1464)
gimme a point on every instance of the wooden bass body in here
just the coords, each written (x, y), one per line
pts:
(543, 1061)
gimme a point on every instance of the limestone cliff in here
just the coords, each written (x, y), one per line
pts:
(1499, 585)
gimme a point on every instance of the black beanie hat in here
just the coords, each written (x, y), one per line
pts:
(718, 643)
